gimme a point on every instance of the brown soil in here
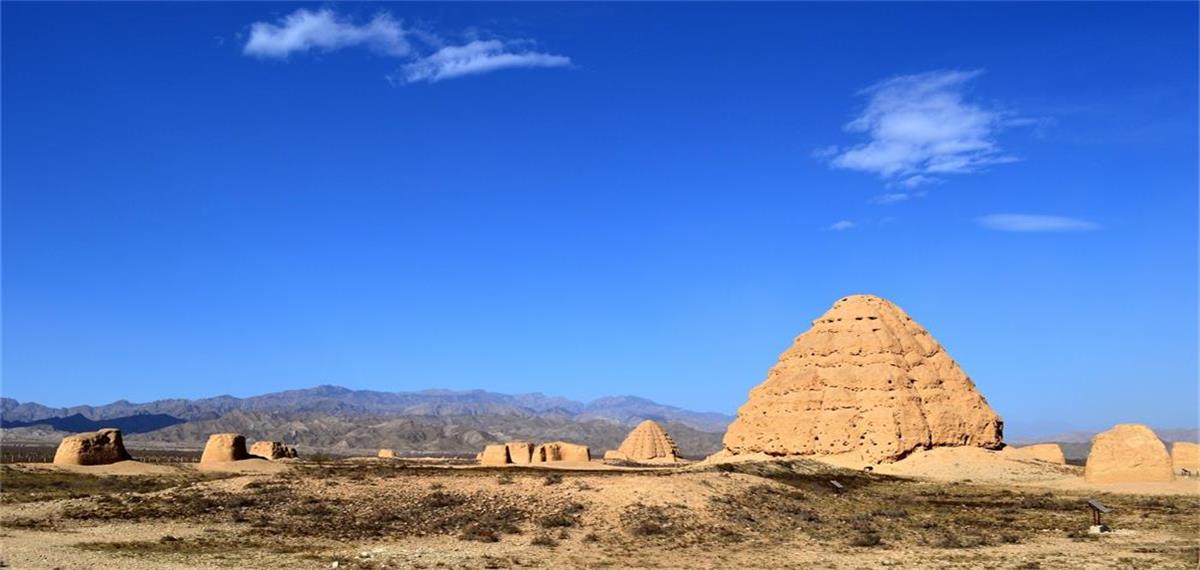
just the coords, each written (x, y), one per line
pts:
(407, 514)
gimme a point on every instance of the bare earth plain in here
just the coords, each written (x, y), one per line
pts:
(947, 510)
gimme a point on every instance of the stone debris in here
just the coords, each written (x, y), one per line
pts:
(1128, 453)
(865, 379)
(100, 447)
(224, 447)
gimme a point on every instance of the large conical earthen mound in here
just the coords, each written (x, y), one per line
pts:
(865, 378)
(649, 442)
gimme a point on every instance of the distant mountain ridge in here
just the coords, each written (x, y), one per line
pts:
(1168, 435)
(339, 401)
(337, 418)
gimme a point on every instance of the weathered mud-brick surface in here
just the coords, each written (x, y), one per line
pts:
(272, 450)
(222, 447)
(865, 378)
(92, 448)
(1185, 455)
(495, 454)
(561, 451)
(520, 452)
(648, 442)
(1128, 453)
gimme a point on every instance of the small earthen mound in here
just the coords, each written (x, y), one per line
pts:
(1185, 455)
(92, 448)
(561, 451)
(1128, 453)
(272, 450)
(865, 379)
(224, 447)
(647, 442)
(386, 454)
(1048, 452)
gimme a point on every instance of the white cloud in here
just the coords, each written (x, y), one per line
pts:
(842, 225)
(304, 30)
(428, 58)
(479, 56)
(1035, 223)
(919, 127)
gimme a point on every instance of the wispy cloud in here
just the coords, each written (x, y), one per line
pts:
(429, 58)
(920, 127)
(477, 57)
(842, 225)
(897, 197)
(304, 30)
(1035, 223)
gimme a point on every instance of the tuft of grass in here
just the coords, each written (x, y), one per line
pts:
(544, 540)
(479, 533)
(553, 479)
(568, 516)
(866, 540)
(25, 523)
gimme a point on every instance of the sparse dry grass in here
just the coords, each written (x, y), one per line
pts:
(19, 485)
(745, 508)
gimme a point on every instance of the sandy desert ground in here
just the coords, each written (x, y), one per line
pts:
(948, 509)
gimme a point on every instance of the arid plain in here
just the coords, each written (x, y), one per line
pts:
(867, 446)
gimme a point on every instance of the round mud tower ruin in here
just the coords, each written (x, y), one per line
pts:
(92, 448)
(222, 447)
(865, 378)
(1128, 453)
(647, 442)
(1185, 455)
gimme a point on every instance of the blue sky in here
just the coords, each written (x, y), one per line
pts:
(586, 200)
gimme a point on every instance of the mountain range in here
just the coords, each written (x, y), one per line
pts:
(337, 418)
(333, 418)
